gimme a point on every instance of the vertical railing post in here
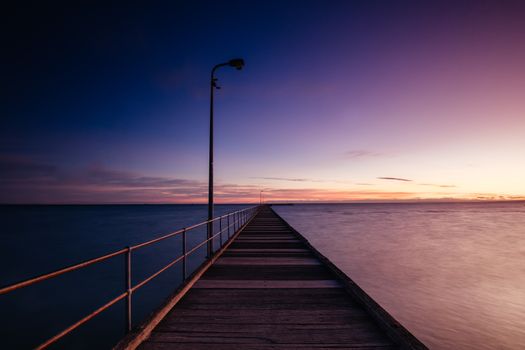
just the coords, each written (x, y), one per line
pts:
(220, 231)
(128, 290)
(184, 255)
(209, 245)
(228, 225)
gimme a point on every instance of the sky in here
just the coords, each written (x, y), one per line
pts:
(338, 101)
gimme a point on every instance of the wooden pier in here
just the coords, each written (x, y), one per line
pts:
(270, 289)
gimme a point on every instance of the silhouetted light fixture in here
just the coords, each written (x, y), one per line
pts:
(237, 63)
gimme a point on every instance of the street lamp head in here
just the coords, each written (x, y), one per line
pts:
(237, 63)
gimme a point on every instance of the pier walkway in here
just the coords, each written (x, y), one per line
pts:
(270, 289)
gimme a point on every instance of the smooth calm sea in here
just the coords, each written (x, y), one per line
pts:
(452, 273)
(39, 239)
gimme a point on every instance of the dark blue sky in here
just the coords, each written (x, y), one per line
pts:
(118, 71)
(95, 97)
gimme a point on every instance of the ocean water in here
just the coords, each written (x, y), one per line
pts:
(39, 239)
(452, 273)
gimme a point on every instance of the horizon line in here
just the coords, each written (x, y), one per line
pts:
(364, 201)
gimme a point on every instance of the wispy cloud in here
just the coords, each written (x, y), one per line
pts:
(394, 178)
(291, 179)
(361, 153)
(23, 180)
(438, 185)
(295, 179)
(18, 167)
(99, 175)
(26, 180)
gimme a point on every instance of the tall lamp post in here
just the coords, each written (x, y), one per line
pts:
(237, 63)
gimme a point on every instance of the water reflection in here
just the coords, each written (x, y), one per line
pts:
(452, 273)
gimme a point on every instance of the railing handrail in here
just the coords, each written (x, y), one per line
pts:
(174, 233)
(240, 220)
(56, 273)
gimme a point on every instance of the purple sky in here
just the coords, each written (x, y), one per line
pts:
(339, 101)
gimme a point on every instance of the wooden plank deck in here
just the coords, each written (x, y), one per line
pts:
(271, 290)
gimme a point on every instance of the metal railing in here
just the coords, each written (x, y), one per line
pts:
(235, 220)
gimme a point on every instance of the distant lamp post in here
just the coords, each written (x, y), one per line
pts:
(260, 197)
(237, 63)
